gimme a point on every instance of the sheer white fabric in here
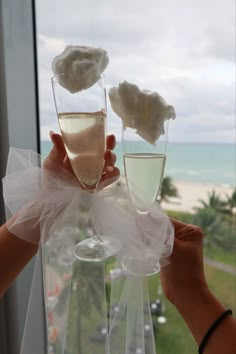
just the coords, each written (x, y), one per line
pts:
(49, 207)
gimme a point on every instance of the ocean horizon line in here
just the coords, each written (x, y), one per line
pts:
(194, 162)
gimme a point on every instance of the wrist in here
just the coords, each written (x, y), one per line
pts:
(199, 308)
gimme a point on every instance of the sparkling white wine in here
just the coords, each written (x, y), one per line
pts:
(84, 136)
(144, 173)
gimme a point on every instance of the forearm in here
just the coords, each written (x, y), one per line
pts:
(200, 309)
(15, 253)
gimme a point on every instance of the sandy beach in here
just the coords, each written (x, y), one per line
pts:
(191, 192)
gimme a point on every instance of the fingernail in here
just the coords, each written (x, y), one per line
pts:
(51, 133)
(114, 141)
(110, 168)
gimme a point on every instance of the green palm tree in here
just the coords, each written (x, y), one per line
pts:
(168, 189)
(214, 202)
(231, 202)
(212, 225)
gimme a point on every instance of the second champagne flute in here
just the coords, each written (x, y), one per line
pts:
(144, 166)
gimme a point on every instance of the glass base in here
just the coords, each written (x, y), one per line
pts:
(140, 267)
(96, 250)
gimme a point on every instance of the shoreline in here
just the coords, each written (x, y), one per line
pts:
(191, 192)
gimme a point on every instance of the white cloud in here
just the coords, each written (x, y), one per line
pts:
(51, 44)
(183, 49)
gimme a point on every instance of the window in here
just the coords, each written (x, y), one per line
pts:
(18, 127)
(185, 52)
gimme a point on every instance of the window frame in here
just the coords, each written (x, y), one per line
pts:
(19, 127)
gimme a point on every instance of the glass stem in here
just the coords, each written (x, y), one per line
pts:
(96, 237)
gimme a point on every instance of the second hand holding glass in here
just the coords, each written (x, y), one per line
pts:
(82, 120)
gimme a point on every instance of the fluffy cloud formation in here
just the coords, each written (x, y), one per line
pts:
(143, 110)
(79, 67)
(183, 50)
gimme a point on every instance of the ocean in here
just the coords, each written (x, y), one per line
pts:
(199, 162)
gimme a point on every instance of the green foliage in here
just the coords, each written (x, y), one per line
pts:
(85, 275)
(86, 304)
(214, 202)
(108, 293)
(222, 255)
(211, 224)
(216, 219)
(230, 203)
(168, 189)
(228, 241)
(218, 222)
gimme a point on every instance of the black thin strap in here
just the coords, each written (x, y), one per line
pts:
(212, 328)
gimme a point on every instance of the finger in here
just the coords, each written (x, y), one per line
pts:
(58, 152)
(178, 225)
(183, 230)
(109, 177)
(67, 165)
(110, 158)
(110, 142)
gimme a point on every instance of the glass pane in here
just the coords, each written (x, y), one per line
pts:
(186, 52)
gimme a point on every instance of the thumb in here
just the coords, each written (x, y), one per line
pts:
(58, 152)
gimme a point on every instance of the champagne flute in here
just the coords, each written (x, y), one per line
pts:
(82, 121)
(144, 166)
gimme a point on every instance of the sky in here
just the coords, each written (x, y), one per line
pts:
(183, 49)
